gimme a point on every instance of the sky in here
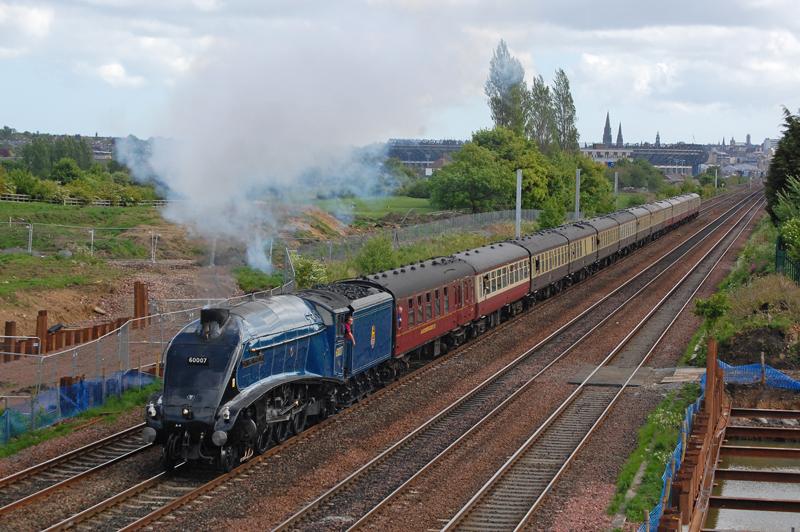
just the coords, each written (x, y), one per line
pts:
(692, 70)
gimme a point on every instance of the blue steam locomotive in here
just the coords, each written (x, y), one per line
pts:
(245, 377)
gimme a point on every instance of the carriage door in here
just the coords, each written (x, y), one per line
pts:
(340, 348)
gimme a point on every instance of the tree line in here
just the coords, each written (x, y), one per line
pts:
(53, 168)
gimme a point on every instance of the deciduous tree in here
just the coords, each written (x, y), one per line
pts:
(474, 180)
(566, 132)
(540, 126)
(506, 90)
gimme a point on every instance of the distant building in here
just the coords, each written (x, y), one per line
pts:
(423, 155)
(620, 144)
(607, 131)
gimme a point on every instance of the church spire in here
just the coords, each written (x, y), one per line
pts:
(619, 136)
(607, 131)
(658, 140)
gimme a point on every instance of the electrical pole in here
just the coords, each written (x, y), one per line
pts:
(616, 183)
(715, 178)
(577, 194)
(518, 227)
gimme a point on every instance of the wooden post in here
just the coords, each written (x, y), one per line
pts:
(9, 343)
(763, 370)
(711, 381)
(41, 330)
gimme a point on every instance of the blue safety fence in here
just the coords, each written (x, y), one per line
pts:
(675, 460)
(748, 374)
(21, 413)
(755, 373)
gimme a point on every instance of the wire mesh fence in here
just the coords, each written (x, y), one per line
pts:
(784, 264)
(347, 246)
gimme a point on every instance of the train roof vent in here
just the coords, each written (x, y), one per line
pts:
(403, 270)
(421, 264)
(386, 275)
(395, 272)
(413, 267)
(477, 251)
(492, 246)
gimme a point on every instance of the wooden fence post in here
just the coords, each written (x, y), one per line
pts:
(41, 330)
(10, 343)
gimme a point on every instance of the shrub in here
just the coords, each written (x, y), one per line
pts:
(713, 308)
(308, 272)
(376, 254)
(791, 236)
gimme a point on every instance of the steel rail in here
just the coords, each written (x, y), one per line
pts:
(49, 467)
(518, 455)
(300, 515)
(111, 501)
(508, 400)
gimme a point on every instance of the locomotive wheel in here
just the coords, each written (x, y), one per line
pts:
(282, 430)
(168, 460)
(264, 440)
(228, 458)
(298, 421)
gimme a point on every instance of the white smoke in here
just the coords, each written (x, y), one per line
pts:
(274, 115)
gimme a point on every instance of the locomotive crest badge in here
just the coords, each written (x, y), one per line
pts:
(372, 338)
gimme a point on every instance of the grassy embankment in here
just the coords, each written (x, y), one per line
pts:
(655, 443)
(752, 300)
(22, 272)
(113, 235)
(374, 208)
(109, 413)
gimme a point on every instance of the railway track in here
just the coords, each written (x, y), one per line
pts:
(147, 501)
(30, 484)
(354, 499)
(511, 497)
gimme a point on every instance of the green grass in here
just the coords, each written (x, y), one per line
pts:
(110, 411)
(25, 272)
(84, 216)
(373, 208)
(250, 280)
(655, 443)
(110, 224)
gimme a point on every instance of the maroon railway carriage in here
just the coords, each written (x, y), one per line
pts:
(435, 302)
(501, 282)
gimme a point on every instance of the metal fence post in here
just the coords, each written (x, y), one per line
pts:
(91, 242)
(30, 239)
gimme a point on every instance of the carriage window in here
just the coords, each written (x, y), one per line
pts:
(446, 301)
(459, 294)
(420, 318)
(437, 309)
(410, 312)
(427, 306)
(538, 266)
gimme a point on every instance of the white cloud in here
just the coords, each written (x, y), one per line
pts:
(115, 75)
(33, 21)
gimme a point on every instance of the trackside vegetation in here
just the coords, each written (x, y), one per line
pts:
(655, 442)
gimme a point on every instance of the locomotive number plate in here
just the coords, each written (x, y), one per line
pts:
(198, 361)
